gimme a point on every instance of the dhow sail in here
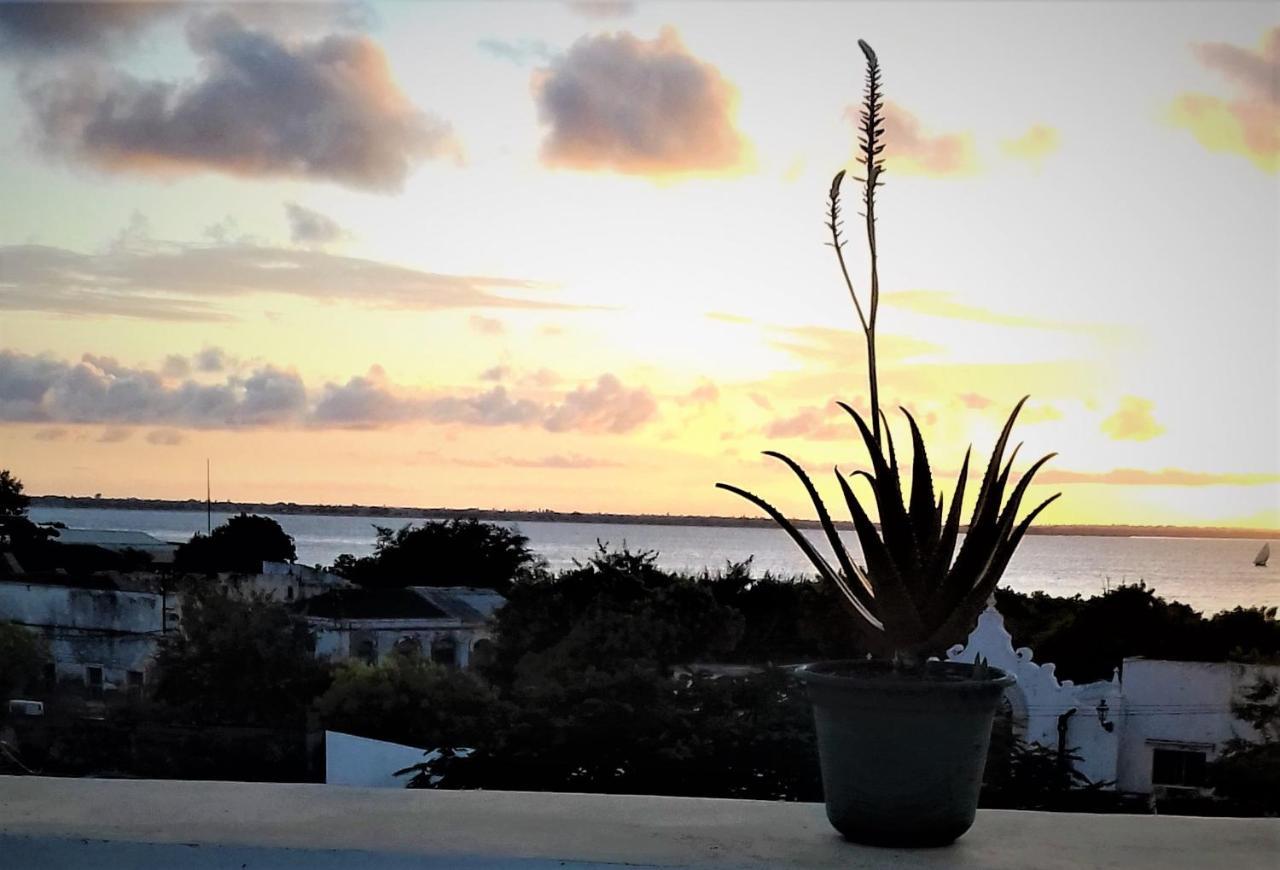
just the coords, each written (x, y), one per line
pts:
(1263, 555)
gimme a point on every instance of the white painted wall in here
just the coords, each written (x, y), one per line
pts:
(1039, 698)
(359, 761)
(1180, 705)
(117, 631)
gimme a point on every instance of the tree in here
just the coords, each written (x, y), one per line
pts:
(1249, 771)
(23, 655)
(239, 545)
(238, 661)
(13, 503)
(456, 552)
(407, 699)
(616, 611)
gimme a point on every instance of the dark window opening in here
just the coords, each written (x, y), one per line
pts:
(444, 652)
(1177, 767)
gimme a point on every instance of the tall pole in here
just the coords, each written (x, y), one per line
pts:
(208, 501)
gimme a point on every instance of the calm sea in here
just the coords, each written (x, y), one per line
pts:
(1207, 573)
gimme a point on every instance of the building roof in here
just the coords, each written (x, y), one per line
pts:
(467, 603)
(367, 603)
(110, 538)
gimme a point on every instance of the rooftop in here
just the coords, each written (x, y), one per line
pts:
(56, 823)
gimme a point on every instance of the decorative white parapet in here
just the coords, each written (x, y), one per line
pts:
(1039, 699)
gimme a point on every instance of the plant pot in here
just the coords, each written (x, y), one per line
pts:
(902, 753)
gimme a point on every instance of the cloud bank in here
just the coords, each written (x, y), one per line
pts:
(262, 106)
(1249, 123)
(619, 103)
(101, 390)
(186, 282)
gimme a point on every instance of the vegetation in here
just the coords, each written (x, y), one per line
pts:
(23, 655)
(455, 552)
(240, 545)
(912, 599)
(408, 699)
(1248, 772)
(237, 661)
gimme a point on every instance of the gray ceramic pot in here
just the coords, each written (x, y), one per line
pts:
(902, 753)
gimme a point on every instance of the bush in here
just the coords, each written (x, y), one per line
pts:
(240, 545)
(409, 700)
(458, 552)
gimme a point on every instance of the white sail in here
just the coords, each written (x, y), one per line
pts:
(1263, 555)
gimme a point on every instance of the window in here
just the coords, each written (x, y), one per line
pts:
(134, 679)
(93, 679)
(444, 652)
(1182, 767)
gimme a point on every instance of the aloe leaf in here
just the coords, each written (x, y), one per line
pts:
(962, 617)
(895, 525)
(869, 620)
(893, 601)
(824, 518)
(924, 515)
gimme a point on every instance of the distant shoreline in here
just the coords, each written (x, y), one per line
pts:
(548, 516)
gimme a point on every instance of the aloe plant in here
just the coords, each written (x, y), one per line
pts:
(916, 594)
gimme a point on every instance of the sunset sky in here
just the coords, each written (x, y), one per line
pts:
(570, 255)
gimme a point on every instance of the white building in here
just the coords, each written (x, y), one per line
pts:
(285, 582)
(447, 624)
(1150, 729)
(103, 638)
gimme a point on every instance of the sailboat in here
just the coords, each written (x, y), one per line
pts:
(1263, 555)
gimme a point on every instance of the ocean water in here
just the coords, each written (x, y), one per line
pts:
(1210, 574)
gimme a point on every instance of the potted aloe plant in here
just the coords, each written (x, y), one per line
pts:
(902, 737)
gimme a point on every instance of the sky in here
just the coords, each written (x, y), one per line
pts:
(572, 255)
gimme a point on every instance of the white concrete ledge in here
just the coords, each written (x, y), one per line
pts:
(54, 823)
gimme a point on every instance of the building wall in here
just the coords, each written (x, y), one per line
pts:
(1038, 700)
(1179, 706)
(342, 640)
(116, 631)
(359, 761)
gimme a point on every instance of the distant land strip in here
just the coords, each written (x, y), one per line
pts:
(549, 516)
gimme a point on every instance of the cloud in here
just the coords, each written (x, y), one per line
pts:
(165, 437)
(1132, 421)
(326, 109)
(619, 103)
(52, 433)
(940, 303)
(975, 401)
(99, 390)
(486, 325)
(175, 366)
(311, 228)
(1248, 124)
(1033, 146)
(211, 359)
(34, 30)
(496, 373)
(569, 461)
(602, 8)
(184, 282)
(910, 150)
(1165, 477)
(815, 424)
(842, 348)
(705, 393)
(606, 407)
(114, 435)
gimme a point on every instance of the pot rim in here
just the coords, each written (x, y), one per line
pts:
(871, 674)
